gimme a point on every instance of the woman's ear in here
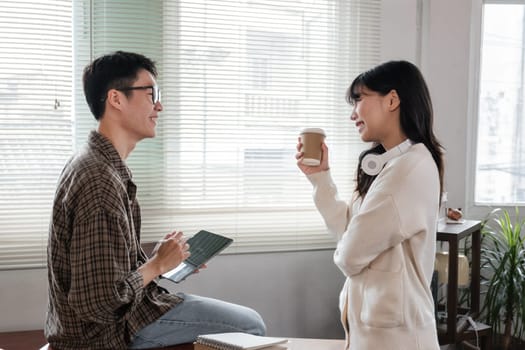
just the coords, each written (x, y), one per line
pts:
(393, 100)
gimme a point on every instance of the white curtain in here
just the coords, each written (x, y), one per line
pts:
(239, 80)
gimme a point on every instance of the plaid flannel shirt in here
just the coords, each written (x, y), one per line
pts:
(96, 295)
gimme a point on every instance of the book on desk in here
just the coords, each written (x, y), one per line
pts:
(237, 341)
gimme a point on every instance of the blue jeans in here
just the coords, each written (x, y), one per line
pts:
(194, 316)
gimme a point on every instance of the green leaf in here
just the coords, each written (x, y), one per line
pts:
(503, 266)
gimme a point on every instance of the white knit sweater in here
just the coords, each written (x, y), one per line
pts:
(386, 249)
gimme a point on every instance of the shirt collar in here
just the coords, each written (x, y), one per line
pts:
(99, 142)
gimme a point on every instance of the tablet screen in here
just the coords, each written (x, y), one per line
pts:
(203, 246)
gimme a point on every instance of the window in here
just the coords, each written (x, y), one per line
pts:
(500, 161)
(35, 122)
(244, 78)
(239, 80)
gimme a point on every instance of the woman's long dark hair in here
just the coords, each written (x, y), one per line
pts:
(416, 113)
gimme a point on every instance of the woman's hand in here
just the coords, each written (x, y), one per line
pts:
(306, 169)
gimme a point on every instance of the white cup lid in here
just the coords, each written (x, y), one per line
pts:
(313, 130)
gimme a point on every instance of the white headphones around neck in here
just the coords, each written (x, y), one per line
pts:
(372, 163)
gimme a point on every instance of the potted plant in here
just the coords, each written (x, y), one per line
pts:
(503, 275)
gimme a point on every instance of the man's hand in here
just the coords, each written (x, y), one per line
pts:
(167, 255)
(172, 250)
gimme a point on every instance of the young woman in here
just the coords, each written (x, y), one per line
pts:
(387, 234)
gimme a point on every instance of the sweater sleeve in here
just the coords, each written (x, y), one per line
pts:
(335, 212)
(401, 203)
(375, 229)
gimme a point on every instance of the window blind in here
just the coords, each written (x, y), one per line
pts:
(239, 80)
(35, 122)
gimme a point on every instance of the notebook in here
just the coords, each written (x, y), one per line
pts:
(236, 341)
(197, 346)
(204, 245)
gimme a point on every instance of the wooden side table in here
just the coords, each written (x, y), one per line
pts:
(453, 234)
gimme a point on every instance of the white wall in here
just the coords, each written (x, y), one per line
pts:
(446, 63)
(297, 292)
(442, 50)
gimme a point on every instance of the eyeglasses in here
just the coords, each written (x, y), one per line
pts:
(155, 91)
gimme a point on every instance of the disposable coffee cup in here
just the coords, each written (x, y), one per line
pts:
(312, 139)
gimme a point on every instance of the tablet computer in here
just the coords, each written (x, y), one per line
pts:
(204, 245)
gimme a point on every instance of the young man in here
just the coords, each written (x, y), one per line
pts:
(103, 292)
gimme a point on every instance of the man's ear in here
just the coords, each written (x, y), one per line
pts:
(114, 99)
(393, 100)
